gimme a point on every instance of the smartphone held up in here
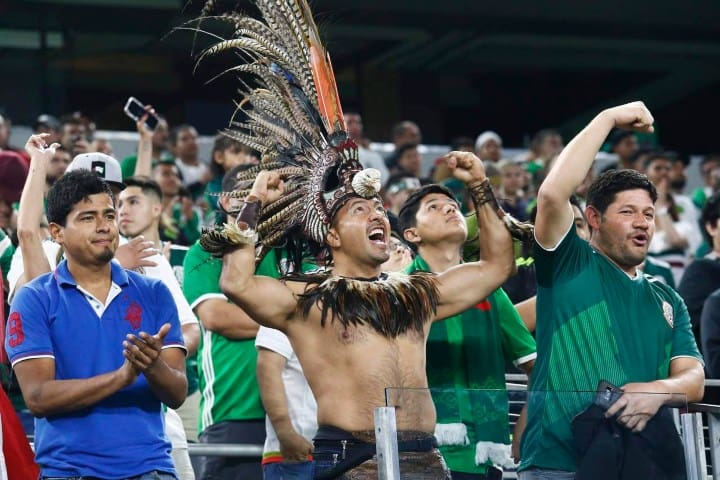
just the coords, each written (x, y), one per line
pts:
(135, 110)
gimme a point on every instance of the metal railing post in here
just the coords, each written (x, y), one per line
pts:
(714, 439)
(386, 443)
(692, 433)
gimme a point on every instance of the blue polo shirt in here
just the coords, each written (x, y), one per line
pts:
(121, 436)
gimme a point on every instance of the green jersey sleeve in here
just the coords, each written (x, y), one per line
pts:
(564, 262)
(201, 275)
(517, 343)
(683, 342)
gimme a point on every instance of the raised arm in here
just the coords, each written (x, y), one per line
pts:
(465, 285)
(554, 213)
(143, 165)
(30, 212)
(266, 300)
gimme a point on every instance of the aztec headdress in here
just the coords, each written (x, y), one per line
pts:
(292, 116)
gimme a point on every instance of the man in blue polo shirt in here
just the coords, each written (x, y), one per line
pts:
(96, 348)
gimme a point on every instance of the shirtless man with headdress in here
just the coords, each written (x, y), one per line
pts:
(356, 330)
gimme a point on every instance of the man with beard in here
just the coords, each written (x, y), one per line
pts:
(598, 317)
(78, 340)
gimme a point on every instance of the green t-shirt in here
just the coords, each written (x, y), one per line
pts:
(469, 351)
(7, 249)
(226, 368)
(594, 323)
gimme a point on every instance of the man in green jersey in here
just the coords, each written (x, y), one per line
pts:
(598, 318)
(230, 407)
(466, 353)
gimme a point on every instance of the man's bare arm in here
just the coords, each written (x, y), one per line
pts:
(191, 337)
(226, 319)
(293, 446)
(528, 312)
(143, 164)
(686, 383)
(266, 300)
(46, 396)
(30, 212)
(465, 285)
(554, 213)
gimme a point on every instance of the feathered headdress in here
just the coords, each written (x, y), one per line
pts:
(292, 116)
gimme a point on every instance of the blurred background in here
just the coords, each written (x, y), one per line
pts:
(454, 67)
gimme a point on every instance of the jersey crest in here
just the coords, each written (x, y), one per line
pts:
(668, 313)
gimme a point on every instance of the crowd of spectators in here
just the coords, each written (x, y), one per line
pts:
(181, 190)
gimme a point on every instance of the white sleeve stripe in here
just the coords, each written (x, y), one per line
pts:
(525, 359)
(207, 296)
(30, 357)
(552, 249)
(688, 356)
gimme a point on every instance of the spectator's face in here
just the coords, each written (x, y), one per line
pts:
(659, 170)
(437, 220)
(360, 232)
(410, 161)
(186, 144)
(581, 226)
(490, 151)
(551, 146)
(513, 177)
(410, 134)
(137, 212)
(400, 256)
(167, 177)
(624, 231)
(678, 177)
(626, 147)
(5, 214)
(707, 172)
(160, 136)
(4, 132)
(235, 155)
(90, 234)
(57, 166)
(71, 132)
(102, 145)
(354, 125)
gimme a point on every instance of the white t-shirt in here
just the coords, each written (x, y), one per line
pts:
(190, 173)
(302, 407)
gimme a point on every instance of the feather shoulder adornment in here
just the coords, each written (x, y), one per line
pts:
(393, 304)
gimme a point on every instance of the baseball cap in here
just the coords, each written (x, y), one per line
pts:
(48, 121)
(13, 171)
(105, 166)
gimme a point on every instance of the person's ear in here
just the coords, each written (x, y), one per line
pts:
(156, 209)
(332, 238)
(594, 217)
(411, 235)
(57, 232)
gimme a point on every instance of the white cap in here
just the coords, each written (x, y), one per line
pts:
(105, 166)
(484, 137)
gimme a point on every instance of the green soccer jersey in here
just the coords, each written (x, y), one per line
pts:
(226, 368)
(7, 249)
(594, 323)
(466, 357)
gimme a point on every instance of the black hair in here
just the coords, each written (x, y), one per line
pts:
(406, 217)
(541, 135)
(223, 142)
(617, 135)
(392, 160)
(70, 189)
(710, 214)
(658, 155)
(399, 128)
(175, 132)
(146, 184)
(603, 190)
(458, 142)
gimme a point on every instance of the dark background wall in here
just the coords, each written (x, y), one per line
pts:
(454, 67)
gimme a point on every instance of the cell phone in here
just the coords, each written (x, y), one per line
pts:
(135, 109)
(607, 394)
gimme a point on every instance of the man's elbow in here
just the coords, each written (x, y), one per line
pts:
(37, 407)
